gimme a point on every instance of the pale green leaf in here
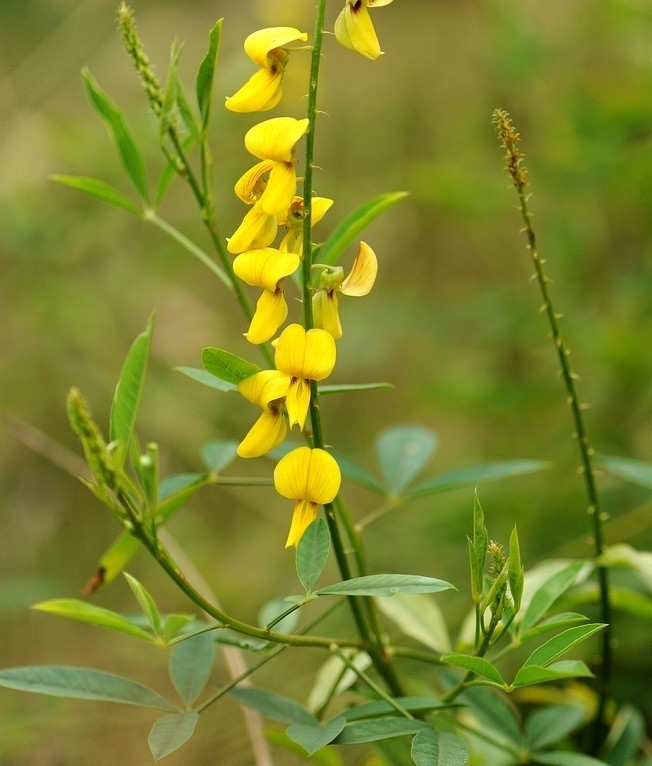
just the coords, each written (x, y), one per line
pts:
(99, 190)
(378, 728)
(419, 617)
(191, 664)
(169, 173)
(168, 106)
(273, 705)
(565, 758)
(82, 683)
(146, 602)
(218, 455)
(313, 736)
(312, 553)
(515, 570)
(115, 558)
(536, 674)
(495, 712)
(478, 665)
(548, 593)
(81, 611)
(561, 643)
(336, 675)
(206, 73)
(635, 471)
(625, 737)
(353, 224)
(206, 378)
(170, 732)
(551, 723)
(623, 555)
(385, 585)
(433, 748)
(227, 366)
(403, 451)
(272, 609)
(175, 491)
(173, 624)
(343, 388)
(356, 473)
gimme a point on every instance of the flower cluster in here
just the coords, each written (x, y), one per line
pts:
(302, 355)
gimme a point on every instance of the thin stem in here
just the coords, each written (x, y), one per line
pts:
(513, 158)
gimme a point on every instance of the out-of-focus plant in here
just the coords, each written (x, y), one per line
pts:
(369, 690)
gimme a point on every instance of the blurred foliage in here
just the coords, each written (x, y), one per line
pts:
(453, 321)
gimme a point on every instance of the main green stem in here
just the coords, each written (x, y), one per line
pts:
(373, 642)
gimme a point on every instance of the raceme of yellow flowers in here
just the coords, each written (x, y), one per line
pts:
(310, 476)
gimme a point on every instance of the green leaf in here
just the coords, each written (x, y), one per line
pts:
(335, 675)
(99, 190)
(173, 624)
(312, 737)
(626, 736)
(478, 549)
(561, 620)
(478, 665)
(495, 713)
(402, 453)
(82, 683)
(353, 224)
(74, 609)
(115, 558)
(382, 708)
(561, 643)
(206, 73)
(312, 553)
(172, 485)
(146, 602)
(218, 455)
(419, 617)
(273, 706)
(635, 471)
(564, 758)
(385, 585)
(168, 174)
(170, 732)
(535, 674)
(623, 555)
(191, 664)
(227, 366)
(356, 473)
(129, 388)
(515, 570)
(115, 123)
(343, 388)
(272, 609)
(548, 593)
(188, 116)
(168, 107)
(325, 757)
(380, 728)
(465, 477)
(551, 723)
(433, 748)
(206, 378)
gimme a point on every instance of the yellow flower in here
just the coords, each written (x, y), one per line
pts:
(359, 282)
(266, 268)
(355, 30)
(275, 139)
(256, 230)
(303, 356)
(266, 47)
(311, 477)
(265, 389)
(292, 219)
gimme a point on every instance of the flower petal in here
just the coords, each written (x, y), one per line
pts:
(363, 274)
(251, 185)
(324, 477)
(325, 312)
(291, 473)
(303, 515)
(275, 139)
(281, 188)
(290, 351)
(297, 402)
(320, 206)
(355, 30)
(260, 93)
(271, 312)
(256, 230)
(264, 387)
(319, 358)
(260, 43)
(265, 434)
(265, 267)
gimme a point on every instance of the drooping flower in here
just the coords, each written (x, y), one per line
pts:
(310, 477)
(303, 356)
(257, 229)
(359, 282)
(355, 30)
(265, 389)
(266, 267)
(265, 47)
(292, 219)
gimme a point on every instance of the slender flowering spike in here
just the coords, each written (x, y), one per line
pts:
(292, 219)
(265, 389)
(266, 47)
(359, 282)
(303, 356)
(355, 30)
(311, 477)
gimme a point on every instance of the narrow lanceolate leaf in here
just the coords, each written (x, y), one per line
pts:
(82, 683)
(343, 388)
(548, 593)
(560, 620)
(536, 674)
(354, 223)
(170, 170)
(168, 107)
(206, 378)
(515, 571)
(117, 127)
(312, 553)
(560, 644)
(99, 190)
(419, 617)
(433, 748)
(381, 708)
(114, 559)
(465, 477)
(273, 705)
(477, 665)
(206, 73)
(634, 471)
(376, 729)
(403, 451)
(565, 758)
(227, 366)
(191, 664)
(170, 732)
(146, 603)
(312, 737)
(385, 585)
(74, 609)
(551, 723)
(129, 388)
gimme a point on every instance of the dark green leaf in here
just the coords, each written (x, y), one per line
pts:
(146, 602)
(535, 674)
(478, 665)
(634, 471)
(433, 748)
(564, 758)
(117, 127)
(402, 452)
(385, 585)
(551, 723)
(465, 477)
(218, 455)
(381, 708)
(273, 706)
(378, 728)
(81, 611)
(343, 388)
(313, 736)
(548, 593)
(561, 643)
(353, 224)
(99, 190)
(561, 620)
(82, 683)
(227, 366)
(191, 664)
(170, 732)
(206, 73)
(312, 553)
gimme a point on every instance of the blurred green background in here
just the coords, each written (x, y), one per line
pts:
(453, 320)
